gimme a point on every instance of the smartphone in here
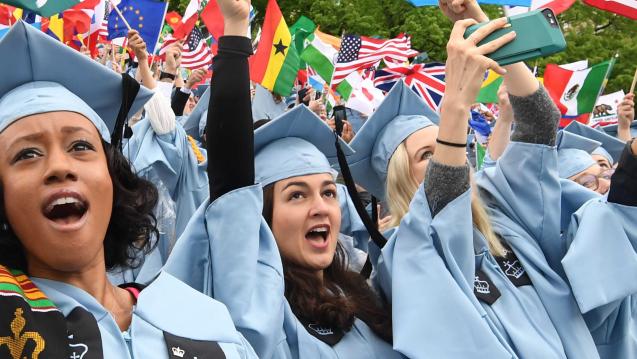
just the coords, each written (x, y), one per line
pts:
(339, 116)
(301, 96)
(538, 34)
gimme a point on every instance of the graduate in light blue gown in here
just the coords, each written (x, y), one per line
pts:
(283, 278)
(170, 157)
(72, 209)
(526, 305)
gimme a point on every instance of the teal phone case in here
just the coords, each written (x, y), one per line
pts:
(538, 34)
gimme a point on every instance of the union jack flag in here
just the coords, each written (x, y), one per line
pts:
(427, 80)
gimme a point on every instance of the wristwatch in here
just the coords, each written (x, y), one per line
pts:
(166, 75)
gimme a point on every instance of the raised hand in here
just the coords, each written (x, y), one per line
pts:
(456, 10)
(464, 72)
(506, 111)
(173, 58)
(196, 77)
(467, 62)
(625, 116)
(137, 44)
(236, 15)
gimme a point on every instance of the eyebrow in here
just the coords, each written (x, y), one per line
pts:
(72, 129)
(305, 185)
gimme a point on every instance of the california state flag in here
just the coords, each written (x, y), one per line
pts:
(575, 92)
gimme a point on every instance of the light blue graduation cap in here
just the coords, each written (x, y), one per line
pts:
(42, 75)
(297, 143)
(400, 114)
(195, 124)
(612, 129)
(574, 153)
(611, 147)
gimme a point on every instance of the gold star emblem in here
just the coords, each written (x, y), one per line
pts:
(141, 25)
(137, 12)
(141, 18)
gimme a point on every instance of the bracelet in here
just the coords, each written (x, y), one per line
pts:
(451, 144)
(166, 75)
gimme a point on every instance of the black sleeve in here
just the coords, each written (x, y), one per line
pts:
(178, 102)
(229, 134)
(623, 184)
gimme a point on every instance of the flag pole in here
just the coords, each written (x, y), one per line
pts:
(632, 86)
(120, 15)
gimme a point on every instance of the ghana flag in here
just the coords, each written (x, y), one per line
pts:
(276, 61)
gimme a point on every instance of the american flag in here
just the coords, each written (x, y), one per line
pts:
(427, 80)
(196, 53)
(359, 52)
(103, 31)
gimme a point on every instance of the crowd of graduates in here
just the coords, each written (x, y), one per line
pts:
(148, 216)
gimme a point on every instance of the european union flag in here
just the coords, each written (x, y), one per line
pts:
(497, 2)
(145, 16)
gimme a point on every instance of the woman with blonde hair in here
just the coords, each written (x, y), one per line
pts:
(493, 251)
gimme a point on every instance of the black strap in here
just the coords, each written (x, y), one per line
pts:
(130, 88)
(371, 227)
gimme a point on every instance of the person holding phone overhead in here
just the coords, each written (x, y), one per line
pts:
(72, 208)
(501, 255)
(291, 263)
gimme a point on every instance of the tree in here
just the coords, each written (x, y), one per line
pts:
(590, 33)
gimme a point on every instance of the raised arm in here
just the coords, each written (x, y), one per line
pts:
(448, 173)
(501, 135)
(230, 139)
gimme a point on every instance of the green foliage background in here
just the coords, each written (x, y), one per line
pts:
(590, 33)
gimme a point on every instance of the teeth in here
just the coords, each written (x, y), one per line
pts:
(61, 201)
(64, 200)
(319, 230)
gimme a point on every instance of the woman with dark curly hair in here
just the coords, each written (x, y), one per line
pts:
(72, 209)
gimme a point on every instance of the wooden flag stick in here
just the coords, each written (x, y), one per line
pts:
(632, 87)
(120, 15)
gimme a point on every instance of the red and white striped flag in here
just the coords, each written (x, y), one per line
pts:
(359, 52)
(626, 8)
(189, 19)
(196, 53)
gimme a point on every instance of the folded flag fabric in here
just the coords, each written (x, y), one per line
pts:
(575, 92)
(196, 52)
(489, 90)
(276, 62)
(605, 110)
(495, 2)
(558, 6)
(320, 56)
(189, 20)
(426, 80)
(627, 8)
(360, 53)
(45, 8)
(145, 16)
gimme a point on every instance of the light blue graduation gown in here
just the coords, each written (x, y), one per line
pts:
(426, 269)
(601, 266)
(172, 159)
(351, 223)
(168, 162)
(523, 197)
(228, 252)
(166, 305)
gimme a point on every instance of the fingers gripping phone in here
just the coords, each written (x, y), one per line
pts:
(339, 116)
(538, 34)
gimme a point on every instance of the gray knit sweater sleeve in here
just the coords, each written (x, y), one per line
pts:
(444, 183)
(536, 118)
